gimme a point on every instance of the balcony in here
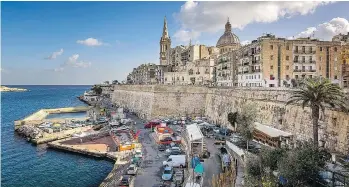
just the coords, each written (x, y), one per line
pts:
(256, 61)
(246, 63)
(304, 70)
(256, 70)
(304, 52)
(245, 71)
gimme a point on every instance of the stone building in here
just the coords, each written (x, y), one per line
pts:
(199, 72)
(273, 62)
(145, 74)
(225, 62)
(228, 41)
(225, 69)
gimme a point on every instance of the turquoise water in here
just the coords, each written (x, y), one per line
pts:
(23, 164)
(68, 115)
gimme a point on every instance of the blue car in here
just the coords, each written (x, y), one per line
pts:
(167, 174)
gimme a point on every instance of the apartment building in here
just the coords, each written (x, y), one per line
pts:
(275, 62)
(225, 70)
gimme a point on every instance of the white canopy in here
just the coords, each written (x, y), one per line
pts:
(270, 131)
(194, 132)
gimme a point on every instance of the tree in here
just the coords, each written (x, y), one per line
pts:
(270, 157)
(97, 89)
(115, 82)
(294, 83)
(245, 122)
(253, 171)
(318, 93)
(301, 166)
(232, 117)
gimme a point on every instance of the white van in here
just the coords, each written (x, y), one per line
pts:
(175, 161)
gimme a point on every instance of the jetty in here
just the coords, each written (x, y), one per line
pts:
(39, 117)
(9, 89)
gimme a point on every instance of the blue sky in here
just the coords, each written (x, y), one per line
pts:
(129, 33)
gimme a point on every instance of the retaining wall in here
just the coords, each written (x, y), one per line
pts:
(152, 101)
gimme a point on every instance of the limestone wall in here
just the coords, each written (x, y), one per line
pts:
(151, 101)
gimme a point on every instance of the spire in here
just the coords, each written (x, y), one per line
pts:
(165, 31)
(228, 26)
(190, 42)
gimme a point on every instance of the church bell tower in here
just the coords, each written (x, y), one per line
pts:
(165, 44)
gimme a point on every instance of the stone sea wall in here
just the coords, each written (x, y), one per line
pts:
(151, 101)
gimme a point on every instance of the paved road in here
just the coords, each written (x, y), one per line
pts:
(212, 165)
(150, 172)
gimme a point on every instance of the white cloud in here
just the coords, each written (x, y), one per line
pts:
(90, 42)
(185, 36)
(54, 55)
(245, 42)
(197, 17)
(327, 30)
(73, 62)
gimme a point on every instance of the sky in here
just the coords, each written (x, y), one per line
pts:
(65, 43)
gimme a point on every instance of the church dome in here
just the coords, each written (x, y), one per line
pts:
(228, 38)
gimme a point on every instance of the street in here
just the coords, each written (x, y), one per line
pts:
(149, 175)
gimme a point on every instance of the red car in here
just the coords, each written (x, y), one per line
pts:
(151, 124)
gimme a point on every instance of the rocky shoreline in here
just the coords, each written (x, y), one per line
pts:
(8, 89)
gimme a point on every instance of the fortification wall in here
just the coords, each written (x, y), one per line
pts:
(152, 101)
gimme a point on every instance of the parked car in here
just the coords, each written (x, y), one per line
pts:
(166, 139)
(161, 147)
(151, 124)
(179, 177)
(132, 170)
(167, 175)
(216, 130)
(175, 161)
(125, 181)
(139, 153)
(169, 150)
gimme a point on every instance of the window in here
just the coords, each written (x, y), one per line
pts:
(287, 47)
(165, 79)
(310, 76)
(320, 68)
(182, 78)
(320, 48)
(296, 76)
(177, 78)
(287, 77)
(303, 48)
(271, 57)
(271, 47)
(287, 67)
(296, 67)
(310, 68)
(335, 77)
(271, 67)
(191, 72)
(296, 48)
(287, 57)
(303, 58)
(320, 59)
(335, 49)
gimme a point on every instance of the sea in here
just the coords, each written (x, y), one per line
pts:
(27, 165)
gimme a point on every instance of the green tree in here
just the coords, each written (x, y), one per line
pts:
(97, 89)
(318, 93)
(301, 166)
(115, 82)
(270, 157)
(245, 122)
(232, 118)
(253, 171)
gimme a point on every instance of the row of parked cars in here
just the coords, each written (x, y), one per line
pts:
(132, 169)
(173, 166)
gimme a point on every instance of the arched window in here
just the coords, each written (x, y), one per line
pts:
(191, 72)
(182, 78)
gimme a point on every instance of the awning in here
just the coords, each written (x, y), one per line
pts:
(270, 131)
(194, 132)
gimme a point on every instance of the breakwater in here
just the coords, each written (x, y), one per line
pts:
(152, 101)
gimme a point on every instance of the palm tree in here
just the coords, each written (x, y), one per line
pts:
(318, 93)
